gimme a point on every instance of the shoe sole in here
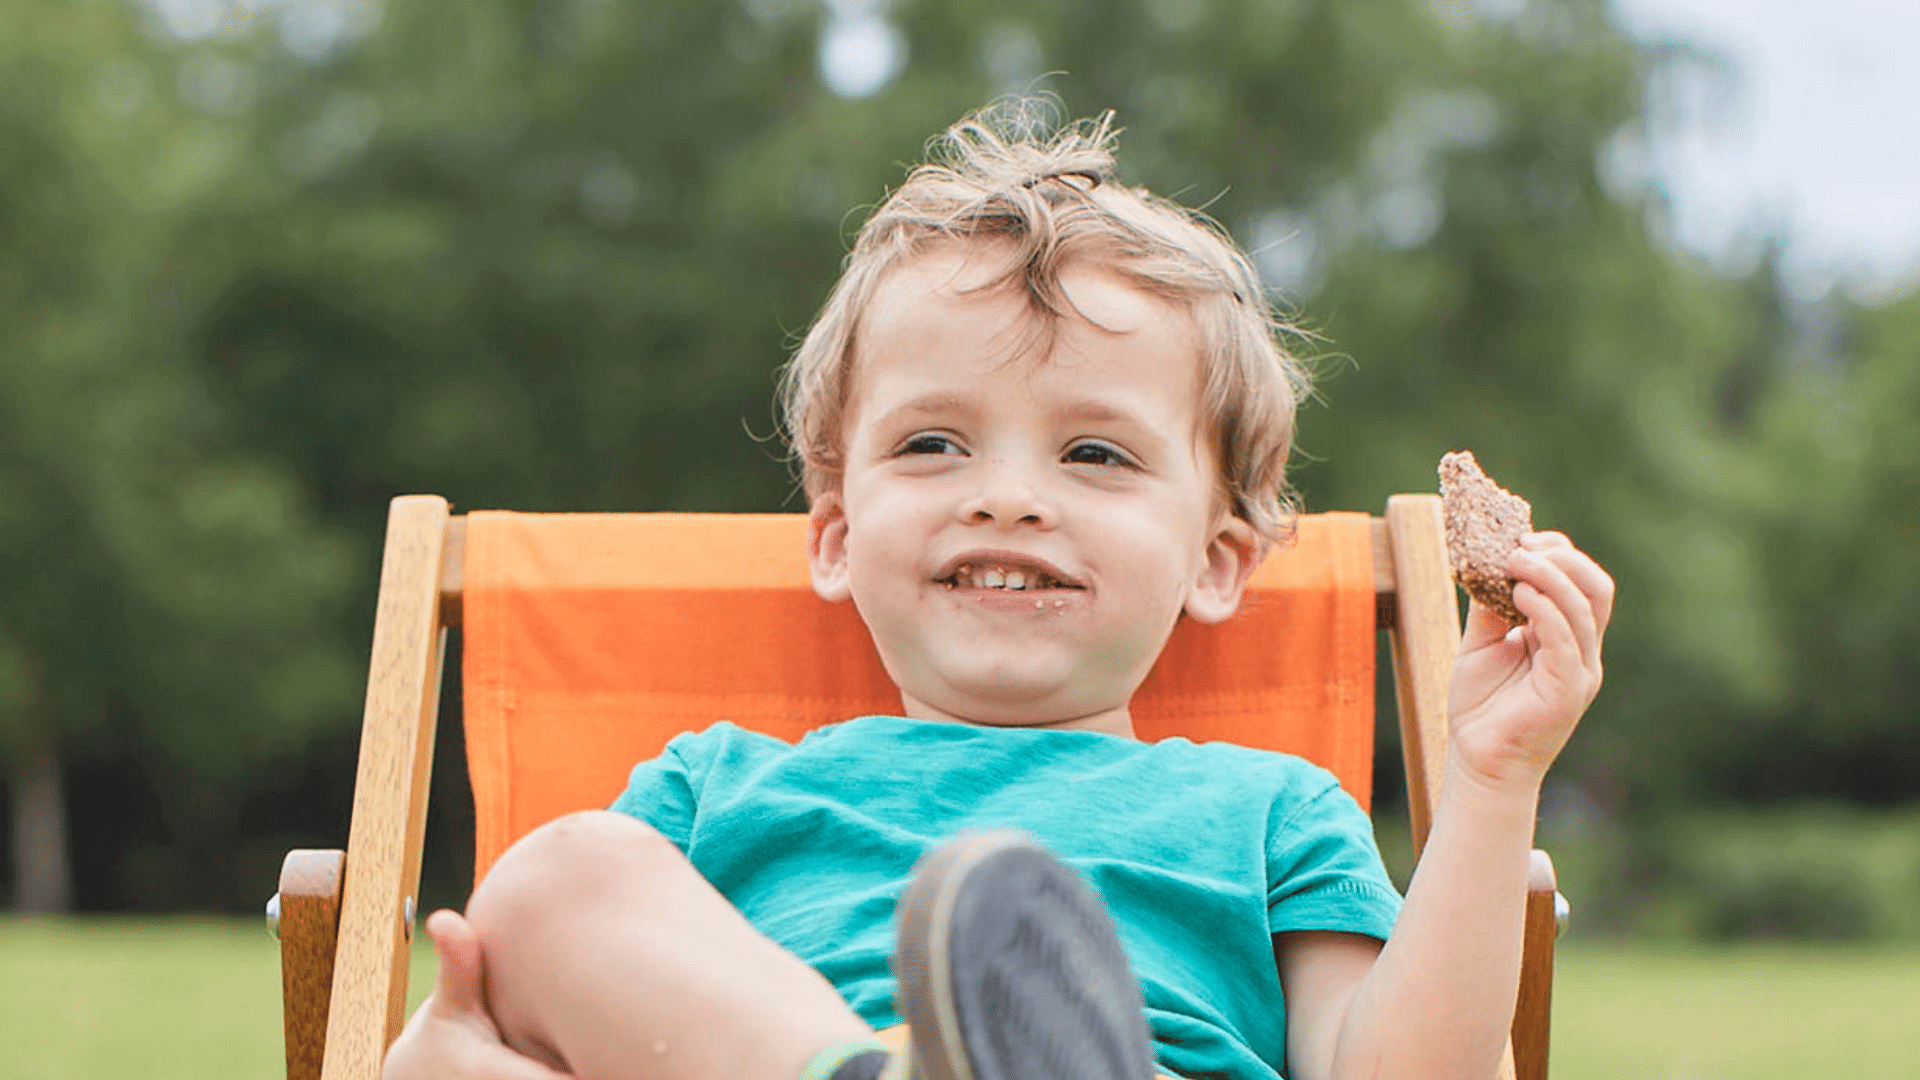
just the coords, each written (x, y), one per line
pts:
(1009, 968)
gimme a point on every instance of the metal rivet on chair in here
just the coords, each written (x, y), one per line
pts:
(1562, 911)
(273, 915)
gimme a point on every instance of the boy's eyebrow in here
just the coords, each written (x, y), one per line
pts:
(1097, 412)
(947, 403)
(1140, 433)
(933, 403)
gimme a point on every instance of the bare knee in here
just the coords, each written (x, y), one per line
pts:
(594, 859)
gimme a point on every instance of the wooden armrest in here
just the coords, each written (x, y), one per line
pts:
(1533, 1012)
(309, 906)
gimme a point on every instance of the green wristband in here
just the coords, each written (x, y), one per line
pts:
(828, 1061)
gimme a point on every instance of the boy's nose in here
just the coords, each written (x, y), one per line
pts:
(1008, 500)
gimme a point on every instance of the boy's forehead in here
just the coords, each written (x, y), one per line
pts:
(949, 281)
(948, 315)
(962, 283)
(951, 268)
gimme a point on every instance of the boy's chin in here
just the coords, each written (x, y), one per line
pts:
(1009, 684)
(1009, 704)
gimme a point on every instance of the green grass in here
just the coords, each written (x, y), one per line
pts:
(1746, 1012)
(165, 999)
(156, 999)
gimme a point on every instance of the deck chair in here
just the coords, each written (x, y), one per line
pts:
(602, 631)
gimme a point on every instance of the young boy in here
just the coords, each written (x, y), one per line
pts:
(1042, 417)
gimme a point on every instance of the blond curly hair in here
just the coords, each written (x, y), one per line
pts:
(1008, 175)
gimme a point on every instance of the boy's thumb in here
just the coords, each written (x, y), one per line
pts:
(459, 988)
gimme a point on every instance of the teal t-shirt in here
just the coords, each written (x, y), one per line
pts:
(1202, 851)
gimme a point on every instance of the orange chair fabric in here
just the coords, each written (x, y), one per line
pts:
(592, 639)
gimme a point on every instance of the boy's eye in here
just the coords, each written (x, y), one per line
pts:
(1095, 453)
(929, 444)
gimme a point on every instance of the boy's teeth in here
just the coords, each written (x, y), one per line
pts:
(972, 577)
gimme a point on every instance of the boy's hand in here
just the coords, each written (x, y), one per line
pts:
(1517, 692)
(452, 1036)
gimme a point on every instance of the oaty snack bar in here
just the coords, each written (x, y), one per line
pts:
(1484, 524)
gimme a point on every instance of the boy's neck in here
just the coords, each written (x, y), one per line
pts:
(1116, 721)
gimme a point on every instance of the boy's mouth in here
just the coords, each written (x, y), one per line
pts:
(1009, 574)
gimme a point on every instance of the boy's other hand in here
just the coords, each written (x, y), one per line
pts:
(452, 1036)
(1517, 692)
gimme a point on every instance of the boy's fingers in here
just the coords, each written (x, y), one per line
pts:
(1483, 627)
(1577, 608)
(1588, 609)
(1594, 582)
(459, 997)
(459, 988)
(1570, 678)
(1559, 654)
(1541, 541)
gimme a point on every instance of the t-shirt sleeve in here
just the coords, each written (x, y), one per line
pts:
(1324, 870)
(660, 792)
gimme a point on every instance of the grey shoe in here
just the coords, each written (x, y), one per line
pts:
(1009, 968)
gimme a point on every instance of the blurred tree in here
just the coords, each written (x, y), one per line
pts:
(272, 264)
(1500, 280)
(159, 585)
(1835, 508)
(542, 250)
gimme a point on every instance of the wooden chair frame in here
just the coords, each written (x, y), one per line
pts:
(345, 920)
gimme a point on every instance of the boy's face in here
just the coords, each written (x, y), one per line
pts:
(1023, 516)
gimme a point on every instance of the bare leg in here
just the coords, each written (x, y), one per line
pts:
(608, 955)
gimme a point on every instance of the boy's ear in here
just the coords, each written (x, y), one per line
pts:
(1232, 556)
(827, 547)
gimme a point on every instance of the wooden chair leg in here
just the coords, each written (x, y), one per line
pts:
(390, 785)
(1534, 1011)
(309, 929)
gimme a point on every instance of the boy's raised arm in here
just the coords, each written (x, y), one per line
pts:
(1437, 1000)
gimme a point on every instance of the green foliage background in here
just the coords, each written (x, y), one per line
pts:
(258, 276)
